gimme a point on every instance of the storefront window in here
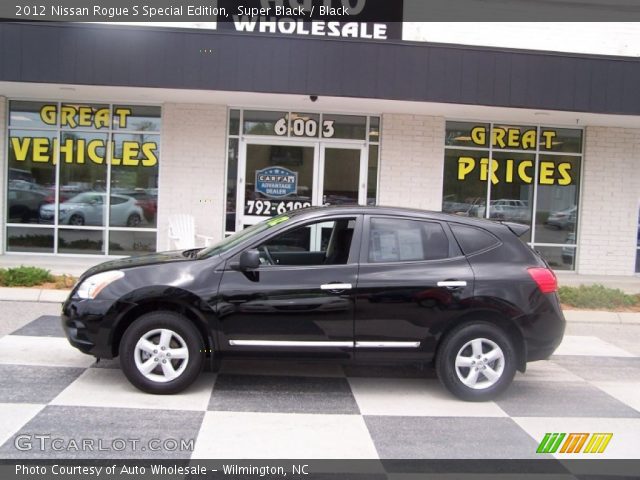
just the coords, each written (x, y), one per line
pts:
(61, 157)
(530, 175)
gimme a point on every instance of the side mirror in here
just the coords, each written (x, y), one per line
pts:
(249, 260)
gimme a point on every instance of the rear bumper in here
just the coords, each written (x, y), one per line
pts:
(543, 331)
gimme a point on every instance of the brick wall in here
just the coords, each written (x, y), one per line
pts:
(411, 161)
(192, 167)
(610, 199)
(3, 167)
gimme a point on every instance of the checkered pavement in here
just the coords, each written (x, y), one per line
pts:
(286, 409)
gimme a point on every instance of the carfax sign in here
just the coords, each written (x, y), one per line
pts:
(276, 182)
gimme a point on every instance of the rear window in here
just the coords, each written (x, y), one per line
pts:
(472, 239)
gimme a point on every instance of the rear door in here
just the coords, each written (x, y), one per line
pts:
(413, 280)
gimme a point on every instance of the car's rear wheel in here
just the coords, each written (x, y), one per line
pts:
(476, 361)
(134, 220)
(161, 352)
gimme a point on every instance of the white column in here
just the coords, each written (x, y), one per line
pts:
(192, 167)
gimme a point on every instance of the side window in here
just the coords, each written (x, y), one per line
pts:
(326, 242)
(472, 239)
(117, 200)
(399, 240)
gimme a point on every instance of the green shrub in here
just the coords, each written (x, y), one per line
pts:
(24, 276)
(596, 296)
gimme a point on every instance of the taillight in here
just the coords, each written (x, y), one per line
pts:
(545, 278)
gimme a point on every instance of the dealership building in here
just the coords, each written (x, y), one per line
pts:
(109, 131)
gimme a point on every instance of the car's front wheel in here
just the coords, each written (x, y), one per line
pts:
(476, 361)
(161, 352)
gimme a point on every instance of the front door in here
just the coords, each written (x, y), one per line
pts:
(276, 176)
(301, 298)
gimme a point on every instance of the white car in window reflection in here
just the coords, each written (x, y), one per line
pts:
(88, 209)
(563, 218)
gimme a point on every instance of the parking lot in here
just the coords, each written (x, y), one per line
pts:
(270, 409)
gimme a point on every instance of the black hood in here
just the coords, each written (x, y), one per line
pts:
(143, 260)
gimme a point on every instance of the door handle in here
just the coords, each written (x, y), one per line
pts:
(336, 286)
(452, 283)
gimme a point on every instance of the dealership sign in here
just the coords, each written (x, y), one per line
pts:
(346, 19)
(276, 182)
(510, 170)
(76, 150)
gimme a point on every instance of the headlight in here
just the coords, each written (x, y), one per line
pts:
(92, 286)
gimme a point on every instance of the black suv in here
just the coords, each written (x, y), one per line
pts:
(350, 283)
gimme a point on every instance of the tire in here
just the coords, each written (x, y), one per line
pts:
(462, 344)
(76, 219)
(183, 337)
(134, 220)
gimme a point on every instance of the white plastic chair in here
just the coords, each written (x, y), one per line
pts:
(182, 232)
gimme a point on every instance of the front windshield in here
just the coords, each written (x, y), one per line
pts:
(239, 237)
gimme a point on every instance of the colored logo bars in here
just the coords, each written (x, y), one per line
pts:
(597, 442)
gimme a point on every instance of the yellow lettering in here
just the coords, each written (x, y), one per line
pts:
(67, 116)
(20, 147)
(513, 139)
(484, 169)
(122, 114)
(40, 150)
(564, 169)
(548, 135)
(66, 149)
(149, 151)
(509, 172)
(529, 139)
(130, 151)
(498, 137)
(102, 118)
(92, 151)
(80, 148)
(49, 114)
(84, 116)
(479, 135)
(465, 166)
(522, 171)
(494, 169)
(547, 170)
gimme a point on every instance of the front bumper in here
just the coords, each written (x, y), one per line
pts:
(88, 326)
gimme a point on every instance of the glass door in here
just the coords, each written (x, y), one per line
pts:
(343, 175)
(277, 176)
(273, 178)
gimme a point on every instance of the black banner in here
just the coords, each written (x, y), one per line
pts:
(116, 469)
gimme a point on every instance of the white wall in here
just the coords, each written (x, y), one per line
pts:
(610, 194)
(412, 161)
(192, 167)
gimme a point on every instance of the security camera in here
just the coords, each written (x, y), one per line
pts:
(313, 98)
